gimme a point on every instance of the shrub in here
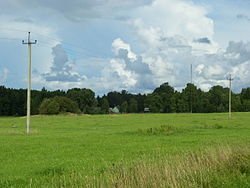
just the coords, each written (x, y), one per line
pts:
(164, 129)
(66, 104)
(57, 105)
(49, 106)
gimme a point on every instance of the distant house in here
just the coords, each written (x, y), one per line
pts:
(146, 110)
(114, 110)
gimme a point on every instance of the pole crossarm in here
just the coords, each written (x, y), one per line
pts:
(28, 41)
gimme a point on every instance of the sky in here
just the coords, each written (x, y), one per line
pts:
(114, 45)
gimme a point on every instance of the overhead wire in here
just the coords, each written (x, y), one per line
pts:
(70, 48)
(69, 51)
(4, 38)
(73, 53)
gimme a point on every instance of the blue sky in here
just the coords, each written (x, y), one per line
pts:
(109, 45)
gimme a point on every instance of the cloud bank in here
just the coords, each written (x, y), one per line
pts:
(162, 38)
(171, 35)
(76, 10)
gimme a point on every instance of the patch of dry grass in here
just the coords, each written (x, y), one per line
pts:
(207, 168)
(221, 167)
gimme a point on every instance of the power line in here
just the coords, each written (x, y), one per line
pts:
(3, 38)
(11, 29)
(65, 43)
(70, 51)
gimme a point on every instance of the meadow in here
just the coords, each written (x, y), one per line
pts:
(126, 150)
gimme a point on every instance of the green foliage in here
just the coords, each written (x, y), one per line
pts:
(85, 98)
(193, 98)
(164, 99)
(105, 106)
(154, 102)
(53, 107)
(66, 105)
(166, 92)
(115, 98)
(94, 110)
(118, 98)
(245, 93)
(124, 107)
(58, 104)
(246, 105)
(218, 98)
(49, 106)
(132, 106)
(44, 106)
(236, 103)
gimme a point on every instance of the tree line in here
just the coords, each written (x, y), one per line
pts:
(164, 99)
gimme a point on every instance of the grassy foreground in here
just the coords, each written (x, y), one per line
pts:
(131, 150)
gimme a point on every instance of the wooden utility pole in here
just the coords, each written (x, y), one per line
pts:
(191, 97)
(29, 43)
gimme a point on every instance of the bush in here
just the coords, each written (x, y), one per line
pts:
(164, 129)
(53, 108)
(66, 105)
(49, 106)
(57, 105)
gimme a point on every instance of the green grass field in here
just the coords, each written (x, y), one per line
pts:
(130, 150)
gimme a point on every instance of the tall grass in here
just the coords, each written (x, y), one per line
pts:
(132, 150)
(221, 167)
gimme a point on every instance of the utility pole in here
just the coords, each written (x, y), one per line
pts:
(191, 93)
(29, 43)
(191, 69)
(230, 96)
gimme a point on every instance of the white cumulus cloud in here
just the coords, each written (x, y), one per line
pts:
(61, 69)
(4, 75)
